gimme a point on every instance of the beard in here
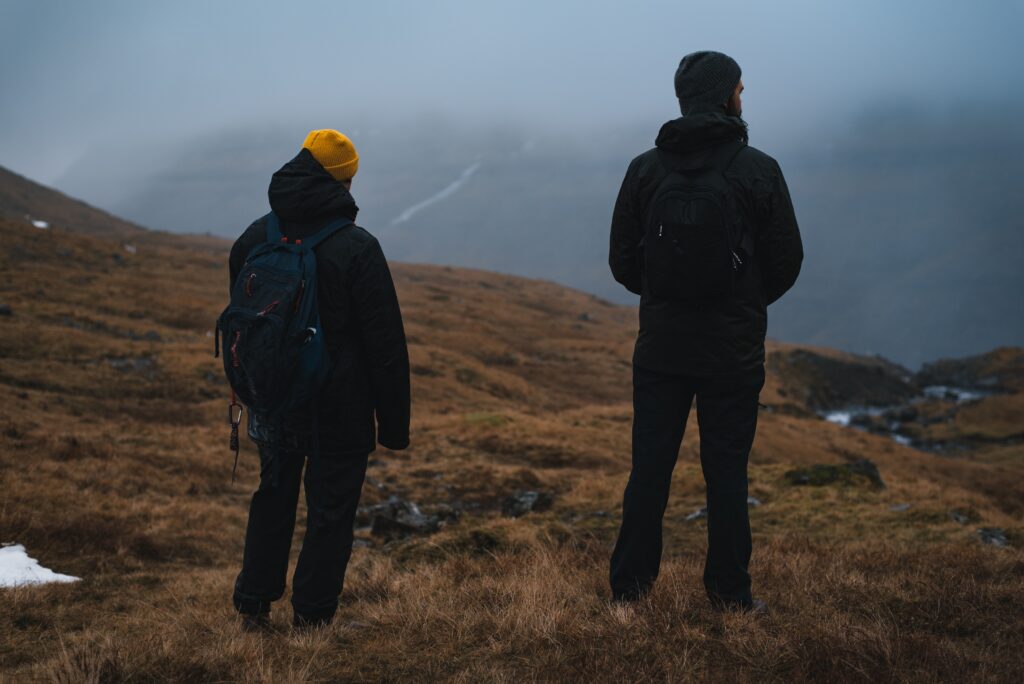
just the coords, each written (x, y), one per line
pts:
(736, 111)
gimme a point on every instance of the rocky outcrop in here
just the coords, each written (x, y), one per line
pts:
(521, 503)
(822, 382)
(397, 518)
(993, 536)
(1000, 370)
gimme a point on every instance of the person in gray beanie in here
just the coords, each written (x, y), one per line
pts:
(704, 231)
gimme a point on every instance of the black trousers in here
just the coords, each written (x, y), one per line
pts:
(333, 484)
(727, 419)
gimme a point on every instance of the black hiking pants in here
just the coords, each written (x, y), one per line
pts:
(727, 419)
(333, 484)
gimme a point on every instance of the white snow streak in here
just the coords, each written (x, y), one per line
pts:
(17, 569)
(839, 417)
(447, 192)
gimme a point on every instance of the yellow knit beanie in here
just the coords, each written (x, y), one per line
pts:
(334, 151)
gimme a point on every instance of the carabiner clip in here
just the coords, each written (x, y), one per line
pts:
(234, 418)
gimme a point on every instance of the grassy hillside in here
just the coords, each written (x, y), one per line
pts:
(114, 467)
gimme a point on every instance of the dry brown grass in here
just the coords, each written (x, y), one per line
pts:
(114, 467)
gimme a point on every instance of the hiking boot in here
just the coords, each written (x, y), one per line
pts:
(754, 606)
(301, 624)
(629, 596)
(626, 599)
(255, 623)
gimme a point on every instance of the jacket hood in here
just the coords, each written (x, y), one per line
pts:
(303, 192)
(699, 131)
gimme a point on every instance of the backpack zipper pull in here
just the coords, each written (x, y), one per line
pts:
(661, 229)
(736, 261)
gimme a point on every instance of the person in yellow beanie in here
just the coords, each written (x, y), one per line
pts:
(335, 152)
(365, 400)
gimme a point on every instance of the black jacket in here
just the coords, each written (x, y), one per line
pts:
(359, 313)
(713, 337)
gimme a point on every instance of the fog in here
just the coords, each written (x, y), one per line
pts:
(496, 134)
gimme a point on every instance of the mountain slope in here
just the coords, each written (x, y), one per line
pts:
(114, 467)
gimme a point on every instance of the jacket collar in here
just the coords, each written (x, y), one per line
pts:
(699, 131)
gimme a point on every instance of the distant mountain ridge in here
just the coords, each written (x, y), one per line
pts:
(912, 220)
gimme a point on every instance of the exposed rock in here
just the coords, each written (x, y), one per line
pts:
(396, 518)
(998, 370)
(899, 508)
(145, 365)
(5, 310)
(827, 382)
(993, 536)
(960, 517)
(823, 474)
(374, 482)
(522, 503)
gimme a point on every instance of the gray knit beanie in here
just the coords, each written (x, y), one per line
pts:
(705, 80)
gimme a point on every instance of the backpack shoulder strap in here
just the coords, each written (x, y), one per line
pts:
(274, 233)
(326, 232)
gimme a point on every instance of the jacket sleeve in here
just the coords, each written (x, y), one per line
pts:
(383, 338)
(778, 239)
(627, 231)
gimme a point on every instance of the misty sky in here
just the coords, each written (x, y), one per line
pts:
(78, 76)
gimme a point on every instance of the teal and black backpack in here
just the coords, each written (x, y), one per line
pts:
(269, 336)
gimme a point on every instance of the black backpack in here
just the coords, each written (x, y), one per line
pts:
(694, 246)
(275, 355)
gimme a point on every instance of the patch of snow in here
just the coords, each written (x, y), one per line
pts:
(959, 394)
(445, 193)
(839, 417)
(902, 439)
(42, 225)
(130, 249)
(17, 569)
